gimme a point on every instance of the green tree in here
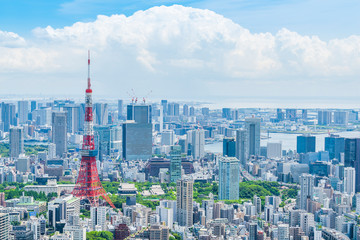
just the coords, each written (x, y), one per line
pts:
(101, 235)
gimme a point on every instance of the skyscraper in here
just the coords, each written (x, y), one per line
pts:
(341, 118)
(120, 109)
(101, 113)
(98, 218)
(335, 145)
(283, 232)
(306, 189)
(186, 110)
(4, 226)
(139, 113)
(175, 163)
(226, 113)
(184, 202)
(352, 158)
(229, 177)
(229, 147)
(305, 144)
(33, 105)
(23, 111)
(72, 118)
(16, 141)
(197, 140)
(252, 141)
(349, 180)
(59, 136)
(8, 116)
(137, 140)
(240, 145)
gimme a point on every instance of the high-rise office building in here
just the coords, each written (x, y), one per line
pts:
(305, 144)
(229, 178)
(307, 222)
(335, 145)
(4, 226)
(184, 202)
(229, 147)
(226, 113)
(324, 117)
(349, 180)
(253, 231)
(306, 190)
(352, 158)
(196, 138)
(100, 113)
(173, 109)
(186, 110)
(137, 140)
(291, 114)
(108, 140)
(33, 105)
(23, 164)
(98, 218)
(164, 104)
(8, 116)
(120, 109)
(192, 111)
(159, 232)
(274, 150)
(72, 118)
(16, 140)
(175, 163)
(240, 145)
(59, 135)
(280, 116)
(341, 118)
(23, 111)
(252, 141)
(167, 137)
(139, 113)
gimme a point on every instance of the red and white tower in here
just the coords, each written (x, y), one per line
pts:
(88, 185)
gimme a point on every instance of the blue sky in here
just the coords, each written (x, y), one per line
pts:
(222, 49)
(325, 18)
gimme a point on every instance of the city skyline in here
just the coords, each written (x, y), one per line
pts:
(166, 49)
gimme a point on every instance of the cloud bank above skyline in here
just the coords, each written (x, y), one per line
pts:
(178, 53)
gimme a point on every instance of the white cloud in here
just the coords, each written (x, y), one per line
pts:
(176, 47)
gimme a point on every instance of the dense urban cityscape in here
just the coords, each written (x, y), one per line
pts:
(179, 120)
(169, 170)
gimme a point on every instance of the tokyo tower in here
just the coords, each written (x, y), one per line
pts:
(88, 185)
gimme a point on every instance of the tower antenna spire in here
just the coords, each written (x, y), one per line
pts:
(89, 83)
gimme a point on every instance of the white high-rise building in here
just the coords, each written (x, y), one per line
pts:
(4, 226)
(307, 222)
(240, 145)
(306, 189)
(358, 203)
(98, 218)
(167, 137)
(23, 111)
(197, 140)
(349, 180)
(283, 232)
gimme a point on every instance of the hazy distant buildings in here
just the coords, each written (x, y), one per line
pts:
(120, 109)
(100, 111)
(16, 139)
(229, 177)
(8, 116)
(23, 111)
(341, 118)
(59, 135)
(305, 144)
(324, 117)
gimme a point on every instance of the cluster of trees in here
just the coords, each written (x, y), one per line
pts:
(174, 236)
(34, 149)
(289, 193)
(202, 190)
(259, 188)
(19, 190)
(101, 235)
(4, 150)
